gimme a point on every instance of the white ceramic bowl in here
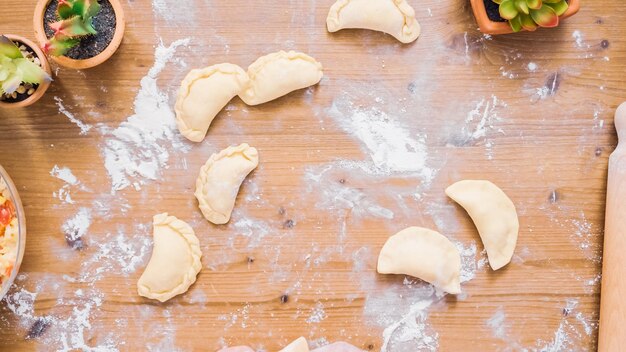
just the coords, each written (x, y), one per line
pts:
(21, 231)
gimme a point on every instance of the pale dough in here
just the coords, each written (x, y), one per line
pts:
(277, 74)
(202, 94)
(237, 349)
(338, 347)
(299, 345)
(394, 17)
(218, 184)
(175, 260)
(425, 254)
(493, 214)
(334, 347)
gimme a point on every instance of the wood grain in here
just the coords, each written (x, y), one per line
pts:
(550, 158)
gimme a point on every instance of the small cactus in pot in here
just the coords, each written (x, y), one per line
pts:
(531, 14)
(21, 71)
(79, 34)
(75, 21)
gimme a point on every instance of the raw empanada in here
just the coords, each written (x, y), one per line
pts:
(298, 345)
(424, 254)
(175, 260)
(338, 347)
(202, 94)
(395, 17)
(494, 215)
(237, 349)
(277, 74)
(220, 178)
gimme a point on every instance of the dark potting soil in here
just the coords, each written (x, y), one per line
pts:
(92, 45)
(20, 97)
(23, 96)
(492, 11)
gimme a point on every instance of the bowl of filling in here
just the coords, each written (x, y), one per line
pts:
(12, 232)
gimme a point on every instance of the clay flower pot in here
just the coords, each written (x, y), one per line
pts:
(488, 26)
(41, 88)
(42, 38)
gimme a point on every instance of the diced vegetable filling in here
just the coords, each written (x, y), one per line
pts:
(8, 233)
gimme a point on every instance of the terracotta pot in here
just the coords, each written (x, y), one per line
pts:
(41, 89)
(487, 26)
(40, 34)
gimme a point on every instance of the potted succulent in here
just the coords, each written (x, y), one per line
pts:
(24, 72)
(510, 16)
(79, 34)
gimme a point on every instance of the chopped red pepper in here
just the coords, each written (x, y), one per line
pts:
(7, 271)
(7, 213)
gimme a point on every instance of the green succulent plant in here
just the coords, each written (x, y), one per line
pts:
(75, 21)
(531, 14)
(16, 69)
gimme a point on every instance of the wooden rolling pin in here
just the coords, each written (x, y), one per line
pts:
(612, 335)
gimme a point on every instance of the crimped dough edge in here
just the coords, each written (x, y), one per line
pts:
(211, 215)
(183, 229)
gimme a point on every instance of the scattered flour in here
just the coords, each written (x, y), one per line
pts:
(77, 226)
(588, 326)
(579, 40)
(412, 328)
(507, 74)
(497, 324)
(84, 128)
(197, 296)
(169, 9)
(392, 147)
(591, 284)
(485, 115)
(64, 193)
(469, 263)
(72, 329)
(22, 303)
(564, 335)
(64, 174)
(486, 112)
(532, 67)
(583, 232)
(252, 228)
(318, 314)
(68, 327)
(239, 317)
(138, 149)
(337, 196)
(116, 253)
(572, 329)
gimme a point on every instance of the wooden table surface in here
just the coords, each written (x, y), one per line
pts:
(531, 112)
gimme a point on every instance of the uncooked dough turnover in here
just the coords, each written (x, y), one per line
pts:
(395, 17)
(298, 345)
(175, 260)
(219, 180)
(494, 215)
(277, 74)
(202, 94)
(425, 254)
